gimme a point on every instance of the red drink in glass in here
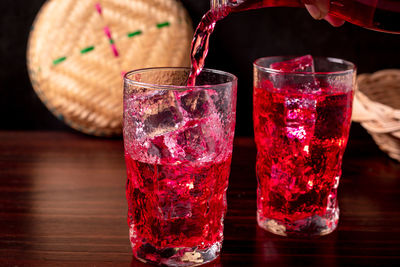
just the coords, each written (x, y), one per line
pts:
(176, 205)
(178, 148)
(301, 133)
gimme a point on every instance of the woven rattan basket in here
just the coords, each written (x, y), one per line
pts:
(78, 52)
(377, 108)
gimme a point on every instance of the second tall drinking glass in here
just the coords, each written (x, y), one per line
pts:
(302, 119)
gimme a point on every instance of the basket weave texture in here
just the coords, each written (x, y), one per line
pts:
(78, 52)
(377, 108)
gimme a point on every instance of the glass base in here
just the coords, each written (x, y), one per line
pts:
(177, 256)
(312, 226)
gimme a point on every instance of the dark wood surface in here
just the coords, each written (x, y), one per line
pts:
(62, 203)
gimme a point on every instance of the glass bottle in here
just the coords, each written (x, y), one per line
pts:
(378, 15)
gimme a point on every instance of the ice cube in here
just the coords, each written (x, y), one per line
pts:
(195, 103)
(199, 139)
(152, 114)
(299, 64)
(300, 110)
(156, 147)
(300, 99)
(297, 83)
(191, 142)
(178, 126)
(149, 114)
(300, 118)
(161, 114)
(200, 130)
(161, 122)
(196, 142)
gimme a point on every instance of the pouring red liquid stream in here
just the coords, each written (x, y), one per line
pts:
(200, 43)
(379, 15)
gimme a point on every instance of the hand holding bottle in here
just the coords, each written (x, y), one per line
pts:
(378, 15)
(319, 9)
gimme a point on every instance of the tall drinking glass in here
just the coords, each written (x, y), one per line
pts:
(302, 115)
(178, 147)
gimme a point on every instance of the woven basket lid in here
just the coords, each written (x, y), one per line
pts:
(377, 107)
(78, 52)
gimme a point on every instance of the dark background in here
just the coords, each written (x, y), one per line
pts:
(238, 40)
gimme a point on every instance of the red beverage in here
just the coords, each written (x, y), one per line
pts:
(175, 206)
(200, 43)
(178, 148)
(301, 138)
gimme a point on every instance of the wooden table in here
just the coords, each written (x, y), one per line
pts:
(62, 203)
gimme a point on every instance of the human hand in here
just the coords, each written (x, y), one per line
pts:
(319, 9)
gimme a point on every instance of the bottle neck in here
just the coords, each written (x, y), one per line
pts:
(216, 4)
(242, 5)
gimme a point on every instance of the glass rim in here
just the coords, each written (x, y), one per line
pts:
(351, 67)
(178, 87)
